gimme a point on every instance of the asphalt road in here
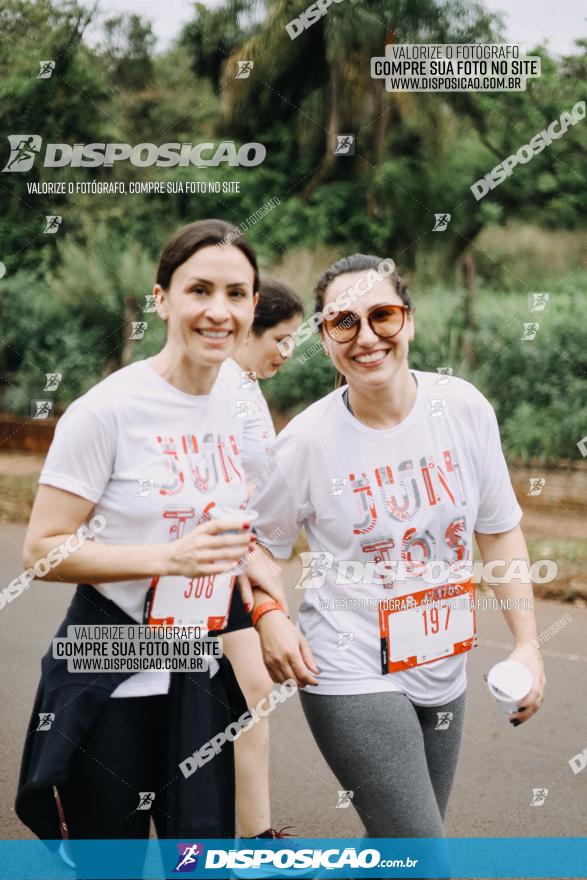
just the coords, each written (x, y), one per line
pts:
(499, 766)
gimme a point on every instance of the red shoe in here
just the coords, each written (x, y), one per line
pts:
(272, 833)
(268, 871)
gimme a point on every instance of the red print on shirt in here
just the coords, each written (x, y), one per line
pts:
(208, 461)
(399, 491)
(400, 494)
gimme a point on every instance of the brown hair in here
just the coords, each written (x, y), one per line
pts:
(277, 302)
(357, 263)
(197, 235)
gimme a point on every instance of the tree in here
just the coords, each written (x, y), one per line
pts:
(65, 107)
(128, 51)
(104, 283)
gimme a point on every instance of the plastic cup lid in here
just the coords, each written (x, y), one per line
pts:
(510, 680)
(247, 515)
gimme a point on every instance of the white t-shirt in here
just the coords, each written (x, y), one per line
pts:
(151, 458)
(250, 407)
(427, 482)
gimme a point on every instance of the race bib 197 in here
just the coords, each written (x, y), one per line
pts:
(426, 626)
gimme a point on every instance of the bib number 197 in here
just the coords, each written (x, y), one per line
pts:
(422, 627)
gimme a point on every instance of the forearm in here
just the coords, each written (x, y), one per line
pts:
(506, 548)
(91, 562)
(259, 594)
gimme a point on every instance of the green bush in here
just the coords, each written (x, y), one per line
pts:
(41, 335)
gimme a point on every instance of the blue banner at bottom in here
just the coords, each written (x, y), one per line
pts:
(471, 857)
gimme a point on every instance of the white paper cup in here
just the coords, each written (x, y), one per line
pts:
(233, 513)
(509, 682)
(238, 513)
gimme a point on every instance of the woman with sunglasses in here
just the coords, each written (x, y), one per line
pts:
(158, 423)
(391, 475)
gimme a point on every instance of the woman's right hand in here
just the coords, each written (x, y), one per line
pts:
(286, 652)
(208, 549)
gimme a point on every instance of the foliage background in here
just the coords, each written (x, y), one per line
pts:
(67, 300)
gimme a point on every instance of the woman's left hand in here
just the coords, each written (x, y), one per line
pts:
(264, 572)
(530, 656)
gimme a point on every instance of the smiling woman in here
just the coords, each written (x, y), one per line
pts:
(161, 424)
(389, 468)
(206, 293)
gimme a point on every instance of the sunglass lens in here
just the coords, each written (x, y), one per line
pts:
(343, 327)
(387, 321)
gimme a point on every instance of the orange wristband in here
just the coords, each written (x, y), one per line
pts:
(264, 608)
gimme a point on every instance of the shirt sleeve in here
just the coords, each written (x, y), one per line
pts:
(82, 454)
(281, 497)
(255, 443)
(498, 510)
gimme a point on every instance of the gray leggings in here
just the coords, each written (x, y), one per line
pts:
(393, 755)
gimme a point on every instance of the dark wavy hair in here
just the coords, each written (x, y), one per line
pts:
(277, 302)
(357, 263)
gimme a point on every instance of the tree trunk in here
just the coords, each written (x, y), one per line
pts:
(131, 313)
(470, 285)
(383, 108)
(333, 129)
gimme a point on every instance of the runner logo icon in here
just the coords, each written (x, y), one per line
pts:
(24, 149)
(188, 854)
